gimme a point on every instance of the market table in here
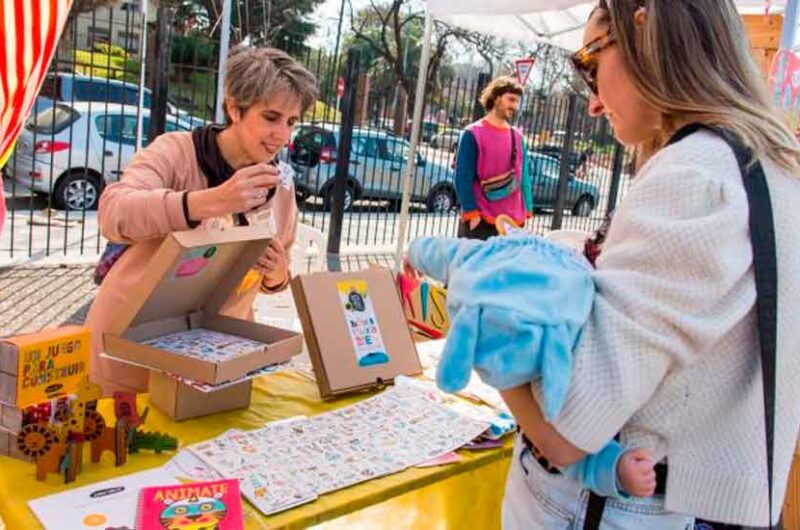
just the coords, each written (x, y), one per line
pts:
(463, 495)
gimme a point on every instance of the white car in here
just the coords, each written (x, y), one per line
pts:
(72, 151)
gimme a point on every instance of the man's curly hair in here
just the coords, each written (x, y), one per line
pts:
(502, 85)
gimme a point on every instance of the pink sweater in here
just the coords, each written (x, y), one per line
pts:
(142, 208)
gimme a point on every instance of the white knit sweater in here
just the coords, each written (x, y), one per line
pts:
(670, 356)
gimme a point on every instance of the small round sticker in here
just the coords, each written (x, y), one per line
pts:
(95, 519)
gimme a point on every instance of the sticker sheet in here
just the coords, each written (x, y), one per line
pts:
(291, 462)
(362, 323)
(205, 344)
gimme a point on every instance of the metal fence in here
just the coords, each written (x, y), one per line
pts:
(84, 131)
(577, 168)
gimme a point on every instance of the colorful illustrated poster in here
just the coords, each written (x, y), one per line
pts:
(362, 323)
(51, 364)
(199, 505)
(784, 80)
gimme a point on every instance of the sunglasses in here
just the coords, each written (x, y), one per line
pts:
(585, 60)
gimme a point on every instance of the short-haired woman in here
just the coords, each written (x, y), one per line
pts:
(670, 357)
(212, 177)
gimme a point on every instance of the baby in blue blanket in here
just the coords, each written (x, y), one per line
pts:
(517, 305)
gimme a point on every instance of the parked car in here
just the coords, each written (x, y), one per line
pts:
(72, 151)
(377, 161)
(555, 152)
(581, 198)
(427, 130)
(447, 139)
(68, 88)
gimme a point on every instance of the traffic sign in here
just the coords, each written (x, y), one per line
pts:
(524, 67)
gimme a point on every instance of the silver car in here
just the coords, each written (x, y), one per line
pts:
(447, 140)
(70, 152)
(377, 163)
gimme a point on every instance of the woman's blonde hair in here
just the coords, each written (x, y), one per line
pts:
(691, 61)
(256, 74)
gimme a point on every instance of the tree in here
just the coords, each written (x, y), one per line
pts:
(280, 23)
(391, 39)
(491, 49)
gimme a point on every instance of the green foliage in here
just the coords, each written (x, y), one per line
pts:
(193, 50)
(110, 49)
(287, 22)
(98, 64)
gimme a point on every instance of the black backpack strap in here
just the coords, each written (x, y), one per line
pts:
(765, 268)
(594, 511)
(513, 162)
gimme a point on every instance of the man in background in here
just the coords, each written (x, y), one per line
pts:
(492, 176)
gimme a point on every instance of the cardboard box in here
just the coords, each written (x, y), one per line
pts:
(185, 287)
(181, 402)
(354, 327)
(10, 418)
(41, 366)
(8, 447)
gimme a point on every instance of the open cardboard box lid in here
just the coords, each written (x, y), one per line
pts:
(187, 282)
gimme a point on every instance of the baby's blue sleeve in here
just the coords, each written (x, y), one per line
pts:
(598, 471)
(437, 256)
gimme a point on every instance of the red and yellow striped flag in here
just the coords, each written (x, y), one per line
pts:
(29, 32)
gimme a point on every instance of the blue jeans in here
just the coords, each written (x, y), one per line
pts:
(535, 499)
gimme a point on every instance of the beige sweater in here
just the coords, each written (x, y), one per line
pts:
(142, 208)
(670, 356)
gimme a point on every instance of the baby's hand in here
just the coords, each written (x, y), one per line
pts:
(636, 473)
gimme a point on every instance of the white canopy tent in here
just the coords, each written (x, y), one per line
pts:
(558, 22)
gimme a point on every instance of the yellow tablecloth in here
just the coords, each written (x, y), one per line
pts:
(460, 496)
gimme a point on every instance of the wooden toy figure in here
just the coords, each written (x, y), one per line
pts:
(114, 439)
(125, 407)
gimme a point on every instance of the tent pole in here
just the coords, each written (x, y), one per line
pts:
(789, 25)
(143, 55)
(224, 48)
(411, 162)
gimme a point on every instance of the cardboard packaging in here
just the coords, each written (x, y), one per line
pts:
(185, 288)
(181, 402)
(10, 418)
(41, 366)
(355, 330)
(8, 447)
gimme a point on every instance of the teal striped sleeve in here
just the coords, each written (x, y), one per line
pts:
(527, 183)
